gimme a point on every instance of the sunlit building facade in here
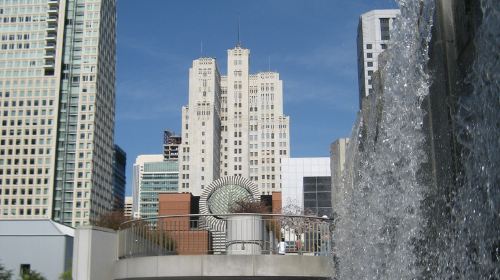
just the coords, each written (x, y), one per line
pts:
(373, 38)
(57, 96)
(233, 126)
(128, 208)
(153, 175)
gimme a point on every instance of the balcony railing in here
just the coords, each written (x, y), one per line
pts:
(229, 234)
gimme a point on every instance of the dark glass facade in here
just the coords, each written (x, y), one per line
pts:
(318, 195)
(119, 178)
(384, 29)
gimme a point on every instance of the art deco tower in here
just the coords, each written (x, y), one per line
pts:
(57, 94)
(234, 125)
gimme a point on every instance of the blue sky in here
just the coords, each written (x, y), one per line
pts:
(311, 43)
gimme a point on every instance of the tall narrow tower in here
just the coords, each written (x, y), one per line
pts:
(199, 154)
(235, 142)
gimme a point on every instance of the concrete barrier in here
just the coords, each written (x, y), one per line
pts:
(225, 267)
(95, 253)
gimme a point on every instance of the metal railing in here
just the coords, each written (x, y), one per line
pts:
(231, 234)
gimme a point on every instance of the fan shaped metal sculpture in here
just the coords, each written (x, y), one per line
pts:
(218, 198)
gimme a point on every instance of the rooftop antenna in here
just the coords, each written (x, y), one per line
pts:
(201, 48)
(269, 64)
(239, 42)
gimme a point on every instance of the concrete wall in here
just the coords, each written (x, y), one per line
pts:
(95, 253)
(34, 250)
(337, 160)
(221, 266)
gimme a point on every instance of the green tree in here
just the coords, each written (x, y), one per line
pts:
(66, 275)
(5, 274)
(32, 275)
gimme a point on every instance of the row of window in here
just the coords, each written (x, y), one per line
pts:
(25, 201)
(370, 46)
(16, 19)
(23, 191)
(24, 182)
(28, 112)
(21, 103)
(13, 37)
(27, 132)
(21, 212)
(204, 71)
(18, 46)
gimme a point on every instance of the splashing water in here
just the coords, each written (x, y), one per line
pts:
(375, 235)
(381, 222)
(476, 249)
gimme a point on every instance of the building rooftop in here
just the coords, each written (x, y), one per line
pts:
(34, 227)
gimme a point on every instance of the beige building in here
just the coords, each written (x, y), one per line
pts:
(233, 126)
(128, 207)
(373, 38)
(57, 124)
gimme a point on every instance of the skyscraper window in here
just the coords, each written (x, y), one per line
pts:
(384, 29)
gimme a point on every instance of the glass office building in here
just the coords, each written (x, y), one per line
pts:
(156, 177)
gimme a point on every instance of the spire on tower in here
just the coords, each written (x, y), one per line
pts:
(238, 43)
(201, 48)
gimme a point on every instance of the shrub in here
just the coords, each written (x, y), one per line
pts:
(5, 274)
(32, 275)
(66, 275)
(249, 206)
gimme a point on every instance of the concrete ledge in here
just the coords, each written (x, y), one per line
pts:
(224, 267)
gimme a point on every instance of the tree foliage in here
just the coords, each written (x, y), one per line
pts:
(112, 220)
(5, 274)
(32, 275)
(67, 275)
(249, 206)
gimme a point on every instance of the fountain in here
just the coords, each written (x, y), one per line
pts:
(476, 246)
(421, 193)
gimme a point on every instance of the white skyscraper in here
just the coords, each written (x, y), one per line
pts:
(373, 38)
(233, 126)
(201, 124)
(57, 96)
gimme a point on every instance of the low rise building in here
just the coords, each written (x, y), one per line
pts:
(41, 245)
(306, 185)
